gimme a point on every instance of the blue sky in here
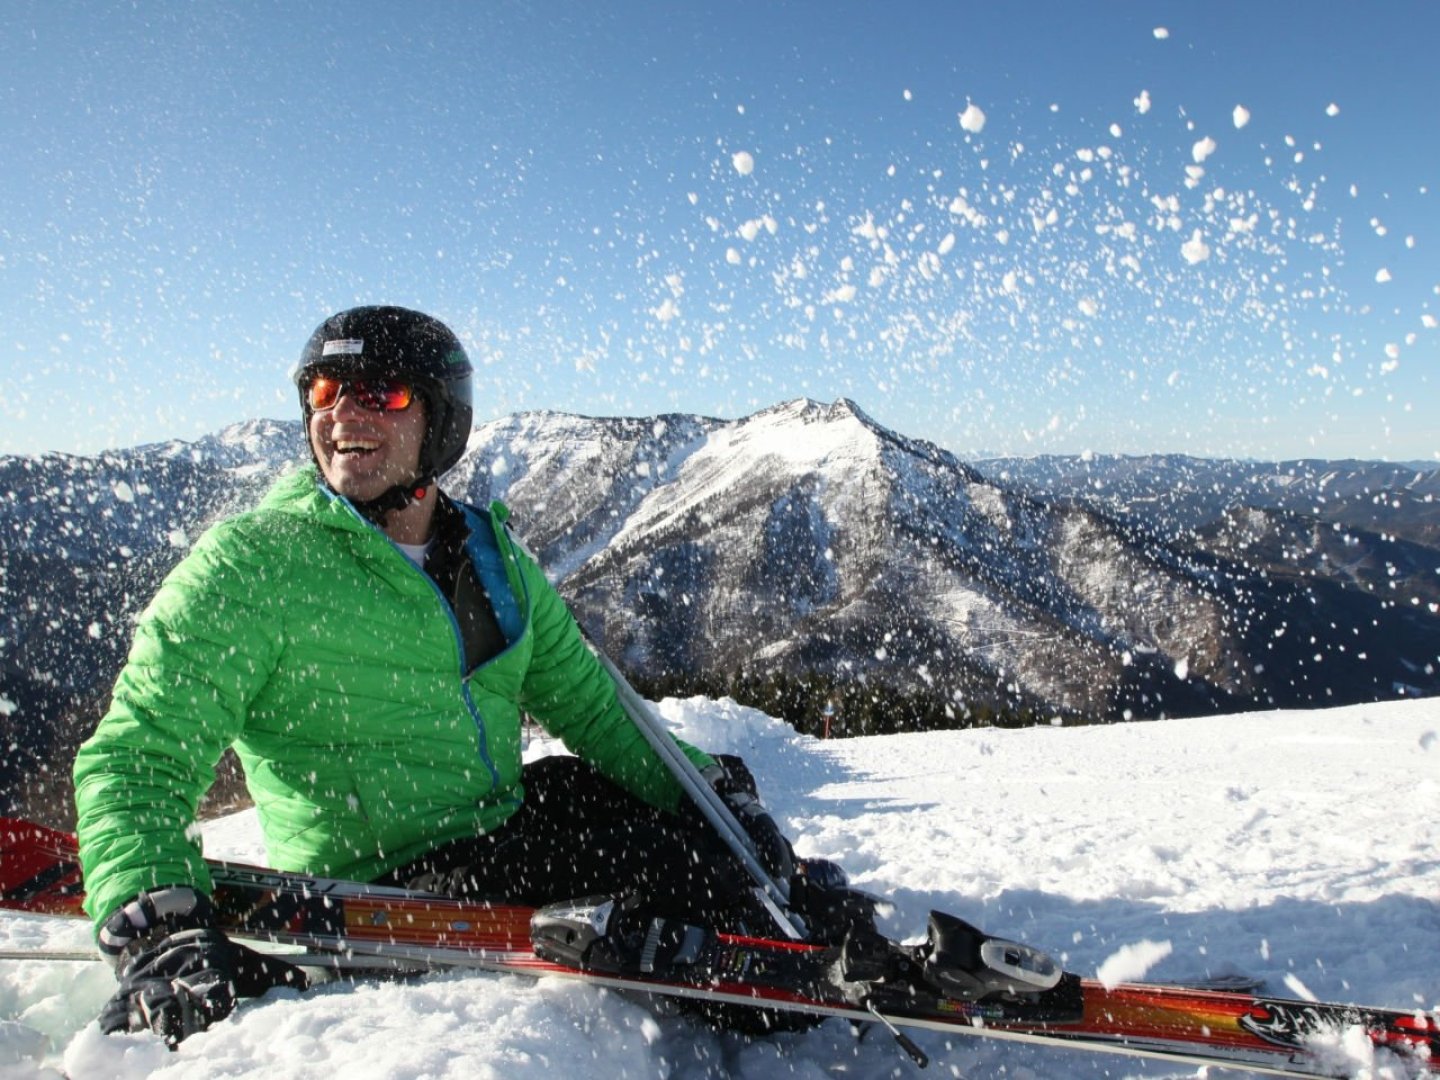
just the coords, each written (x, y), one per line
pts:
(634, 208)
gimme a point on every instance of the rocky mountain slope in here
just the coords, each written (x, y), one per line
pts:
(810, 545)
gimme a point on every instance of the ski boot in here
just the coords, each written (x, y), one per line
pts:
(621, 936)
(617, 935)
(830, 907)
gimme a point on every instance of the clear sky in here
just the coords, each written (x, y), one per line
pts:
(1021, 228)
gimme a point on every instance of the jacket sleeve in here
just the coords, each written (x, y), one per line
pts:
(202, 650)
(568, 691)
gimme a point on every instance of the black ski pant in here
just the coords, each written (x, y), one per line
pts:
(577, 834)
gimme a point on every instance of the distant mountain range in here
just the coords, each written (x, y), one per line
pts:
(805, 543)
(1177, 494)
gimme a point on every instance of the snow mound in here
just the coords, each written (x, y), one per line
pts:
(1296, 848)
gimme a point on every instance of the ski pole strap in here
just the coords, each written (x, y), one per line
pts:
(774, 895)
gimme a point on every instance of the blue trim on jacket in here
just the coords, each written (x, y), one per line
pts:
(489, 566)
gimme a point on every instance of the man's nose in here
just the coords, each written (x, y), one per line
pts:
(346, 406)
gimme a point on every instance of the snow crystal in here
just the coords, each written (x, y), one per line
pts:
(1382, 276)
(123, 491)
(751, 229)
(176, 538)
(1332, 109)
(743, 161)
(1298, 988)
(7, 707)
(1142, 103)
(1202, 149)
(1130, 963)
(1241, 116)
(973, 119)
(1195, 250)
(1161, 33)
(1182, 669)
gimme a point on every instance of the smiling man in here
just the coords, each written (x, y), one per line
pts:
(368, 646)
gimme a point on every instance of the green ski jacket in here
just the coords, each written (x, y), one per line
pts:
(300, 635)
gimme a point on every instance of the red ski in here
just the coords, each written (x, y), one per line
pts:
(39, 873)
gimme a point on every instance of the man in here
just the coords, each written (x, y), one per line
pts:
(367, 646)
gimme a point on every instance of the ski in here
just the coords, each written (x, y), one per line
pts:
(370, 927)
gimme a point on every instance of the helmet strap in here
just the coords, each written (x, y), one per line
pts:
(398, 497)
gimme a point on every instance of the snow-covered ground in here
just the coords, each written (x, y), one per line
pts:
(1299, 847)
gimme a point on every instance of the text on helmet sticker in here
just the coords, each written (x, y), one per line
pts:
(343, 347)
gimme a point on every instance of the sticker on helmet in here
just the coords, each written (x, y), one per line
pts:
(343, 347)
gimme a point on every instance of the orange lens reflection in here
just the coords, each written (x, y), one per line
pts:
(376, 395)
(323, 392)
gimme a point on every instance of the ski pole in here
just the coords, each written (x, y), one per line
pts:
(340, 963)
(51, 954)
(773, 894)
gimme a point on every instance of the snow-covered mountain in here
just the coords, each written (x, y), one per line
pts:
(254, 446)
(1298, 848)
(807, 538)
(805, 551)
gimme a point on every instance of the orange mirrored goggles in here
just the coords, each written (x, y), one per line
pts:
(376, 395)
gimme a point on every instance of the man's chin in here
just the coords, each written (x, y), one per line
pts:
(356, 488)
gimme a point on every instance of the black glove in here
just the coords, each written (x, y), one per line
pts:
(821, 894)
(177, 978)
(732, 781)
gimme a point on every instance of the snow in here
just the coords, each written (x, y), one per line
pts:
(1296, 847)
(973, 119)
(734, 456)
(1131, 963)
(1195, 250)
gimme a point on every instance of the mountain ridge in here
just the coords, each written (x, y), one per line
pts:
(811, 545)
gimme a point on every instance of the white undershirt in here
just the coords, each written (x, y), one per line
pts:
(416, 552)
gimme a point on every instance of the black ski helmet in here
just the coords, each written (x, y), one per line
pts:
(400, 343)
